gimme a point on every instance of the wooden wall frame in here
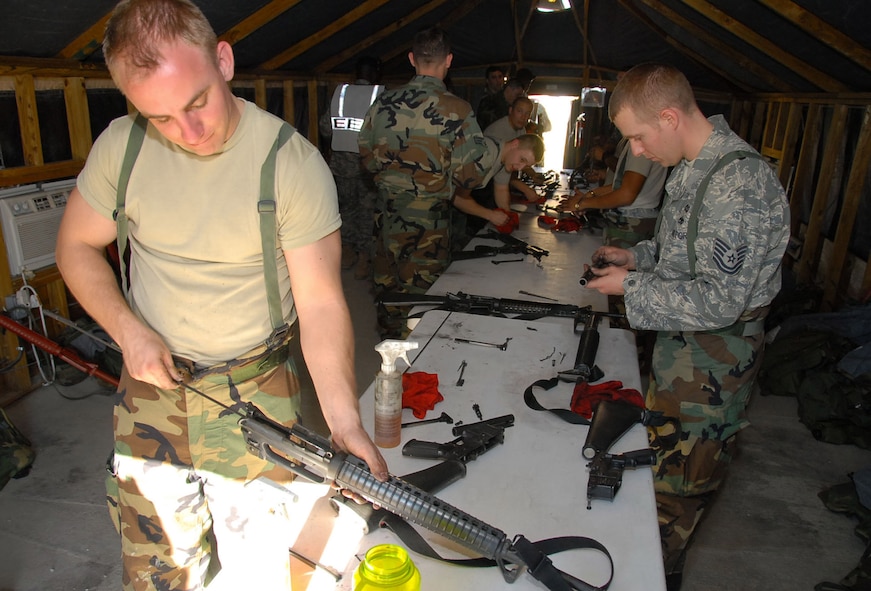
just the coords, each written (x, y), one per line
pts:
(787, 128)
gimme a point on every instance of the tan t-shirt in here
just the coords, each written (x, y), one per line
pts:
(197, 262)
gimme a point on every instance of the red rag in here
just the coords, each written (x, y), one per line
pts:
(420, 392)
(511, 224)
(546, 221)
(568, 225)
(586, 396)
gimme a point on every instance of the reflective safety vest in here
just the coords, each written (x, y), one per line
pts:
(347, 110)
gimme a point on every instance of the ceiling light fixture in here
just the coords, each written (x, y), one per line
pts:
(553, 5)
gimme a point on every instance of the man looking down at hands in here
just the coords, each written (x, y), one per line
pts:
(210, 303)
(704, 282)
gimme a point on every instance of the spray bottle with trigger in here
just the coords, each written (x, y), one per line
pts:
(388, 392)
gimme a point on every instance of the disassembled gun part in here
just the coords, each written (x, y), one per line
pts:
(501, 347)
(507, 261)
(460, 380)
(444, 418)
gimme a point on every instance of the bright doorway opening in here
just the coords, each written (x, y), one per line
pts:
(559, 110)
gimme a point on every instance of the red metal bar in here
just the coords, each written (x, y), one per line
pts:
(63, 353)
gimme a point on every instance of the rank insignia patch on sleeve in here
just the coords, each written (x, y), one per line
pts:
(729, 260)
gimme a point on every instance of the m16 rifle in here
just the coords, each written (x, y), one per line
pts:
(472, 440)
(611, 420)
(490, 306)
(606, 472)
(311, 456)
(512, 245)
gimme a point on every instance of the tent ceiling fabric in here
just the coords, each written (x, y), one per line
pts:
(746, 46)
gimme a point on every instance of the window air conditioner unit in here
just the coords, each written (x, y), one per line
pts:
(31, 216)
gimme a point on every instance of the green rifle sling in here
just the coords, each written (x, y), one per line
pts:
(693, 227)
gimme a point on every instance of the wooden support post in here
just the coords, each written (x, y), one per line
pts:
(830, 168)
(28, 119)
(289, 107)
(78, 117)
(313, 111)
(260, 93)
(838, 279)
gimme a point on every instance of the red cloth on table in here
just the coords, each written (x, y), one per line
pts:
(420, 392)
(568, 225)
(571, 224)
(511, 224)
(546, 221)
(586, 396)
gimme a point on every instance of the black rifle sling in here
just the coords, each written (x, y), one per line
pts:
(648, 417)
(534, 554)
(563, 413)
(266, 206)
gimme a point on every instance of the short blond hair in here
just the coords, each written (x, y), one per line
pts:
(647, 89)
(138, 28)
(533, 143)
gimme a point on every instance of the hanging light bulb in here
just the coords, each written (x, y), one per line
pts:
(553, 5)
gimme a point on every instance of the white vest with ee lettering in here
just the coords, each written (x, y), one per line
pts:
(347, 110)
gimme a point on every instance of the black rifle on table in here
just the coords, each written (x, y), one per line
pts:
(512, 244)
(585, 368)
(471, 441)
(611, 420)
(490, 306)
(311, 456)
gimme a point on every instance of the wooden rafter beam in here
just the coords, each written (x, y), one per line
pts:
(87, 43)
(821, 30)
(766, 46)
(37, 66)
(360, 47)
(520, 32)
(682, 48)
(257, 20)
(328, 31)
(715, 44)
(582, 25)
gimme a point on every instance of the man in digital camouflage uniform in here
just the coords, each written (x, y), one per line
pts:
(705, 282)
(356, 190)
(193, 506)
(420, 141)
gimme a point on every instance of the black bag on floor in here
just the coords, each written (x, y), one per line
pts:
(16, 454)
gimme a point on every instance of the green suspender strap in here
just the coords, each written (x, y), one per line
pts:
(693, 228)
(266, 206)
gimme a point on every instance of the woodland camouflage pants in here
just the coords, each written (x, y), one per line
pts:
(412, 250)
(705, 380)
(193, 506)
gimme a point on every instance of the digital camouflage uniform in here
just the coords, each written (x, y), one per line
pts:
(710, 339)
(357, 195)
(419, 140)
(354, 184)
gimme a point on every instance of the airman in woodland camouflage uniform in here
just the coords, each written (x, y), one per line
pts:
(419, 140)
(704, 282)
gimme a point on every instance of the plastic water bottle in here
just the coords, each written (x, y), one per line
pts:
(387, 566)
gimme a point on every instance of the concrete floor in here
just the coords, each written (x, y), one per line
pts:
(767, 530)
